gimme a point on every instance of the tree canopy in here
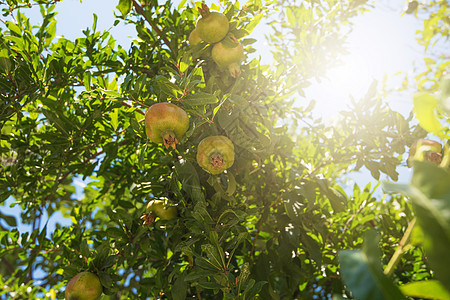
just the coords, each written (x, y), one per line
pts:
(246, 201)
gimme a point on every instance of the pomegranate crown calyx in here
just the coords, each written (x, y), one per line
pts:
(217, 161)
(169, 139)
(204, 10)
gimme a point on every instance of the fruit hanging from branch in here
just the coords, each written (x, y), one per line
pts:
(84, 285)
(425, 150)
(215, 154)
(228, 54)
(194, 38)
(213, 26)
(166, 123)
(161, 209)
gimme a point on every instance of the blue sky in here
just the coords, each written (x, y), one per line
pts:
(382, 42)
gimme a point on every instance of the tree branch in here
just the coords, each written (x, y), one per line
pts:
(400, 249)
(158, 31)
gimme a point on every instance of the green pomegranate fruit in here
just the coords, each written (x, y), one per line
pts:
(213, 26)
(228, 57)
(194, 38)
(425, 150)
(215, 154)
(166, 123)
(84, 286)
(161, 209)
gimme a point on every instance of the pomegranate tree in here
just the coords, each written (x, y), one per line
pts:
(213, 26)
(166, 123)
(215, 154)
(228, 54)
(84, 285)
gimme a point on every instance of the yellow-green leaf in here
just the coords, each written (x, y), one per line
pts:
(425, 110)
(115, 118)
(430, 289)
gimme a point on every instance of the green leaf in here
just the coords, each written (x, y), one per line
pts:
(200, 99)
(10, 220)
(182, 4)
(430, 289)
(444, 94)
(210, 285)
(197, 274)
(430, 194)
(105, 279)
(291, 17)
(115, 232)
(294, 210)
(167, 86)
(337, 200)
(206, 264)
(114, 118)
(124, 6)
(215, 255)
(363, 274)
(179, 288)
(251, 290)
(424, 108)
(243, 276)
(87, 80)
(84, 248)
(53, 118)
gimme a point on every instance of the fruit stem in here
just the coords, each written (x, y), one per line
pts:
(217, 160)
(170, 139)
(204, 10)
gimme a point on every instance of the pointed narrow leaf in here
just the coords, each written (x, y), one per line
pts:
(200, 99)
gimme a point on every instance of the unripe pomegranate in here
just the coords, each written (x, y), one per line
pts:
(166, 123)
(84, 285)
(215, 154)
(194, 38)
(213, 26)
(162, 209)
(425, 150)
(227, 57)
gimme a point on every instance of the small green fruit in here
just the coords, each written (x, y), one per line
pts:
(212, 26)
(84, 286)
(162, 210)
(215, 154)
(166, 123)
(194, 38)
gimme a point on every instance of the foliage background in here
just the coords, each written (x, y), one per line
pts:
(270, 227)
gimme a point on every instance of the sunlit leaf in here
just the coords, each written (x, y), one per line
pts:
(430, 289)
(124, 6)
(425, 110)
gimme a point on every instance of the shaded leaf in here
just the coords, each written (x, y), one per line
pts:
(363, 274)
